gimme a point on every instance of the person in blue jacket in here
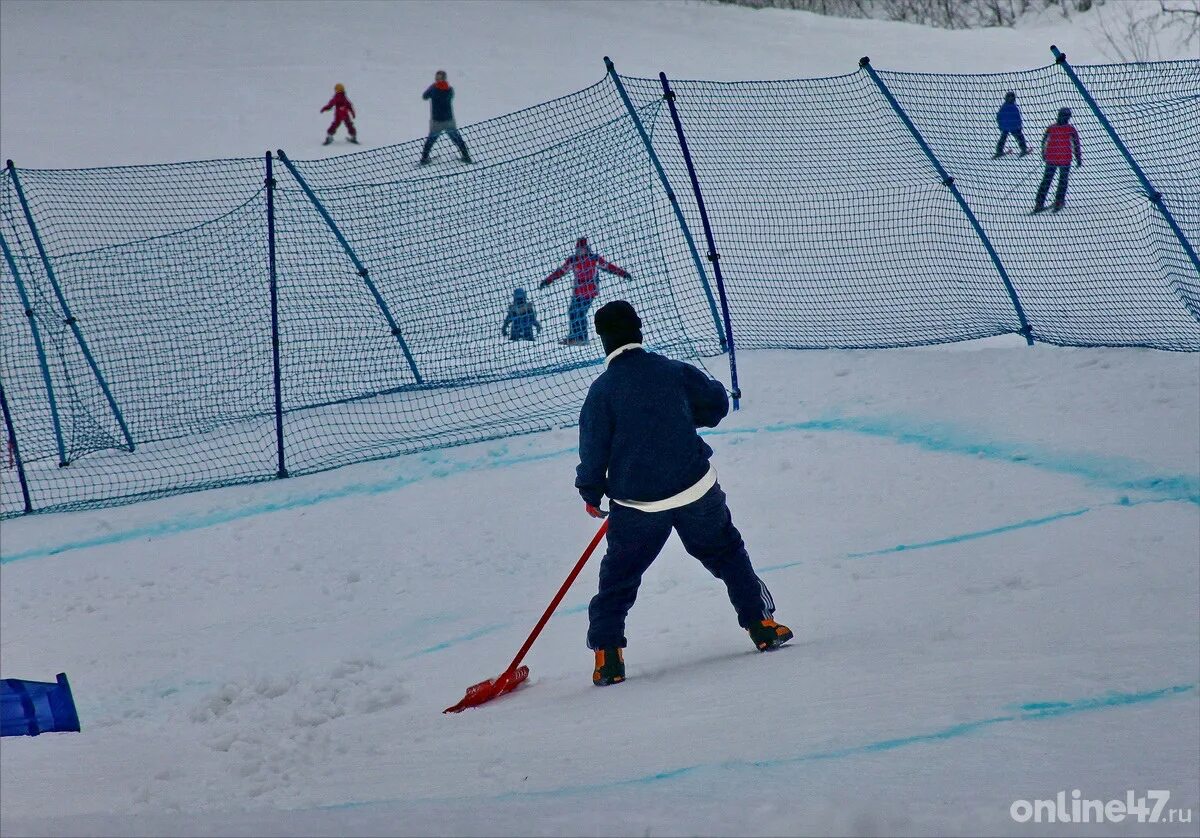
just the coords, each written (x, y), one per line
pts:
(1008, 119)
(522, 318)
(441, 117)
(638, 445)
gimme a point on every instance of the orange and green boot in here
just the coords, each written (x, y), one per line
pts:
(769, 634)
(610, 667)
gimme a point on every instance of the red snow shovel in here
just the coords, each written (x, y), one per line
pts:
(511, 678)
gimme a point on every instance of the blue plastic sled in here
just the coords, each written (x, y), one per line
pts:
(28, 708)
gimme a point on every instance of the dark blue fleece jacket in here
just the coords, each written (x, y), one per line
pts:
(1009, 117)
(637, 429)
(439, 99)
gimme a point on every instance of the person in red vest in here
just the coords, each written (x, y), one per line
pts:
(343, 110)
(1060, 143)
(586, 265)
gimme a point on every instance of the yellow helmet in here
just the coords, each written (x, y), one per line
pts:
(339, 88)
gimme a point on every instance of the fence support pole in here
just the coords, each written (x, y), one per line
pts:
(662, 176)
(1156, 197)
(41, 351)
(1026, 330)
(713, 255)
(358, 265)
(11, 436)
(281, 468)
(68, 318)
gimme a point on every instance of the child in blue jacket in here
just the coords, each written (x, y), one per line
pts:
(521, 319)
(1008, 118)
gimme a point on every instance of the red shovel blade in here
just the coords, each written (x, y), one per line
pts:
(485, 691)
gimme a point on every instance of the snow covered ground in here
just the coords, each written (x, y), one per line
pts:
(990, 557)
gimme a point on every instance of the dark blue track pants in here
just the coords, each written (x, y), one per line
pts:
(577, 315)
(1060, 196)
(634, 540)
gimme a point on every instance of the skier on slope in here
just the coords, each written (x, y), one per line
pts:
(521, 320)
(1008, 120)
(638, 445)
(586, 265)
(441, 117)
(1059, 143)
(343, 110)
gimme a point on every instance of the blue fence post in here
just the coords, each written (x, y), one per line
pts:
(41, 351)
(68, 318)
(358, 265)
(11, 435)
(281, 468)
(713, 255)
(1156, 197)
(662, 175)
(1026, 330)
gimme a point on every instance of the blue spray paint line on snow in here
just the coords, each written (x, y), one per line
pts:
(189, 523)
(1031, 712)
(951, 539)
(471, 635)
(1113, 473)
(971, 536)
(1026, 713)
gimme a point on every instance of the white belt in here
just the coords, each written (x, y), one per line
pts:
(692, 493)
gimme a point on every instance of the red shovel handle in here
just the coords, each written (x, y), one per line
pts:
(485, 691)
(587, 554)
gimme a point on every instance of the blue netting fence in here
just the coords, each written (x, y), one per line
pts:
(143, 354)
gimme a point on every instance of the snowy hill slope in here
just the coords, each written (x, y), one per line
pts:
(104, 83)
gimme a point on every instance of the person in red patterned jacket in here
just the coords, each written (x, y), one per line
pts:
(343, 110)
(1060, 143)
(586, 265)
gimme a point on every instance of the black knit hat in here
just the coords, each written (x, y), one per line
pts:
(618, 324)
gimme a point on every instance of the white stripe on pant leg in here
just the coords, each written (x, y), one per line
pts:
(768, 603)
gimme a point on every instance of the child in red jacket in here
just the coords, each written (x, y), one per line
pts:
(1060, 144)
(343, 111)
